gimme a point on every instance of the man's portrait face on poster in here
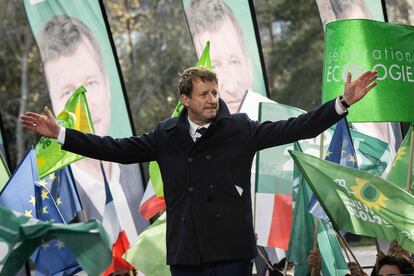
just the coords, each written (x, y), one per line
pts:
(67, 45)
(344, 9)
(214, 21)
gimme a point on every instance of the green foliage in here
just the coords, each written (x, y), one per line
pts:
(154, 45)
(400, 11)
(292, 40)
(16, 51)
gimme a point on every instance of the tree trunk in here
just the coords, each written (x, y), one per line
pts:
(24, 90)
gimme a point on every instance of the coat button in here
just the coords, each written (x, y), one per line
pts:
(183, 219)
(208, 157)
(218, 217)
(211, 186)
(190, 159)
(191, 189)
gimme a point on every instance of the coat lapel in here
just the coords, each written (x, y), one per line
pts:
(180, 133)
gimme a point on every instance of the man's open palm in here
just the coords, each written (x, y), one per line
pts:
(45, 125)
(357, 89)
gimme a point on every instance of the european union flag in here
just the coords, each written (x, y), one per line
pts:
(24, 193)
(18, 193)
(62, 187)
(341, 151)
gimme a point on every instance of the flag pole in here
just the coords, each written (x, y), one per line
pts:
(315, 230)
(265, 260)
(410, 162)
(346, 246)
(285, 268)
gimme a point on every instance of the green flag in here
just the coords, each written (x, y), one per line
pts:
(302, 234)
(274, 175)
(399, 170)
(360, 45)
(205, 60)
(21, 235)
(359, 202)
(154, 170)
(4, 172)
(49, 155)
(148, 254)
(333, 261)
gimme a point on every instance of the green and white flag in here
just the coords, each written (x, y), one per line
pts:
(359, 45)
(148, 254)
(49, 155)
(21, 235)
(302, 234)
(4, 172)
(359, 202)
(399, 171)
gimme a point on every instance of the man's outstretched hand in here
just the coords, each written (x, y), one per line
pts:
(357, 89)
(45, 125)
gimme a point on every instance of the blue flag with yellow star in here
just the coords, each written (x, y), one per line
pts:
(18, 193)
(340, 151)
(25, 193)
(52, 258)
(62, 187)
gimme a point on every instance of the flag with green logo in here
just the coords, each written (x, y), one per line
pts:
(4, 172)
(302, 233)
(154, 169)
(359, 45)
(274, 175)
(399, 170)
(49, 155)
(359, 202)
(151, 243)
(21, 235)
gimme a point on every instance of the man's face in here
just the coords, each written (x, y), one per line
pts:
(67, 72)
(203, 104)
(229, 61)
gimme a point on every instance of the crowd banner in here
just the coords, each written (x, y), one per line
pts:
(359, 45)
(235, 50)
(76, 49)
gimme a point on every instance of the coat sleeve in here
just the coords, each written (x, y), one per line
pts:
(134, 149)
(308, 125)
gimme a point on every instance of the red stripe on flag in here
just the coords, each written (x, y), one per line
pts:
(118, 249)
(152, 206)
(281, 221)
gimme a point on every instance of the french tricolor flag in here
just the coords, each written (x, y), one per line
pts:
(273, 219)
(117, 236)
(151, 204)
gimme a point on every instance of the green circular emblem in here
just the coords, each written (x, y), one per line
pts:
(370, 193)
